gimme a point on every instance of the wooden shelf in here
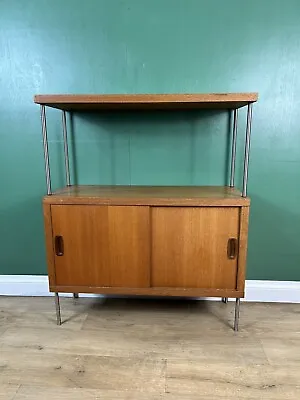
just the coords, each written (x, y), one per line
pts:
(149, 195)
(69, 102)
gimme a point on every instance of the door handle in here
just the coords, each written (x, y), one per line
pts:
(59, 245)
(232, 248)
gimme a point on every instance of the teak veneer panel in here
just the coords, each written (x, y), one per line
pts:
(72, 102)
(103, 246)
(151, 291)
(149, 196)
(243, 246)
(189, 247)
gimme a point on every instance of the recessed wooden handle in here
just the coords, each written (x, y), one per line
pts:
(59, 245)
(232, 248)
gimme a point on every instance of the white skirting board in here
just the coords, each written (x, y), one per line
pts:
(260, 291)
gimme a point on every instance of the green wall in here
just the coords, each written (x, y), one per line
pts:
(140, 46)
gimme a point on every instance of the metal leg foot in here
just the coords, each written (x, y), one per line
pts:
(75, 295)
(57, 308)
(225, 300)
(237, 314)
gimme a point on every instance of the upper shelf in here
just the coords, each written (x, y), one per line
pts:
(95, 102)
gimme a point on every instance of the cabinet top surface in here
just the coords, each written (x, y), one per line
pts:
(149, 195)
(97, 102)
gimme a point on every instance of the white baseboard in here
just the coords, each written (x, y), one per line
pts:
(260, 291)
(273, 291)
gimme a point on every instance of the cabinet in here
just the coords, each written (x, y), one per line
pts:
(142, 240)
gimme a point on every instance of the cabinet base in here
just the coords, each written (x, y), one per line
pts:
(153, 291)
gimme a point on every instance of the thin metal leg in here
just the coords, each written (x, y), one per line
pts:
(233, 147)
(237, 314)
(75, 295)
(247, 149)
(66, 149)
(225, 300)
(46, 151)
(57, 307)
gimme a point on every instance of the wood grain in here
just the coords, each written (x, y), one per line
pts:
(8, 391)
(162, 330)
(149, 195)
(129, 246)
(183, 349)
(50, 393)
(149, 291)
(93, 372)
(71, 102)
(189, 247)
(243, 245)
(103, 246)
(257, 381)
(284, 348)
(49, 243)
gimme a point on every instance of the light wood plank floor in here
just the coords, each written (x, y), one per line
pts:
(147, 349)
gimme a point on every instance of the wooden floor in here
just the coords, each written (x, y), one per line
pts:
(147, 349)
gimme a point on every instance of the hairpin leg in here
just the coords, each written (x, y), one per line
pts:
(225, 300)
(237, 314)
(57, 308)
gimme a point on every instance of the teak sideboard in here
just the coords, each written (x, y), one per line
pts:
(147, 240)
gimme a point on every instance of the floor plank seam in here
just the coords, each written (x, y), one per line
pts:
(142, 350)
(263, 349)
(17, 391)
(164, 372)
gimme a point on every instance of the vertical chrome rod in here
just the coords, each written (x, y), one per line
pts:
(46, 151)
(66, 149)
(233, 147)
(237, 314)
(57, 308)
(247, 149)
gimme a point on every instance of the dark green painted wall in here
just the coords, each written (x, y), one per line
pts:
(132, 46)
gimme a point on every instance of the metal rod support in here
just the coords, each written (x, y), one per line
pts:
(237, 314)
(233, 147)
(46, 151)
(66, 149)
(57, 308)
(247, 149)
(75, 295)
(225, 300)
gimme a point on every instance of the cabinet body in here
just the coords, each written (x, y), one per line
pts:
(149, 249)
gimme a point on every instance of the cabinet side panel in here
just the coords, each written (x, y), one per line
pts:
(243, 245)
(49, 244)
